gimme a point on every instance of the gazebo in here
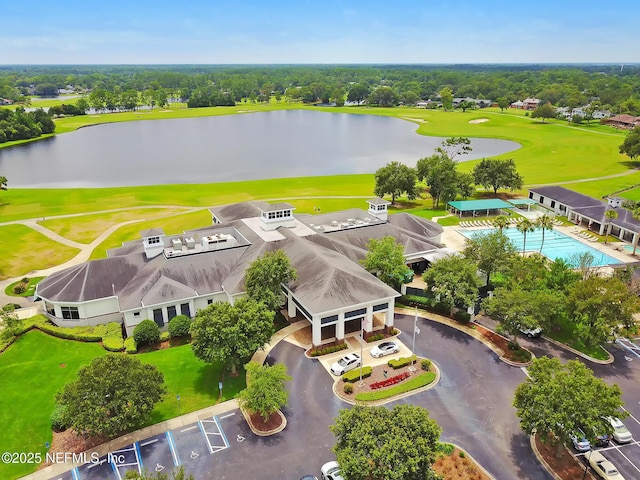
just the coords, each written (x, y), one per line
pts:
(476, 208)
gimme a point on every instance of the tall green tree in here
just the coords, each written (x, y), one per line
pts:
(454, 280)
(501, 222)
(610, 215)
(503, 103)
(492, 251)
(496, 174)
(358, 93)
(396, 179)
(631, 145)
(385, 259)
(556, 399)
(111, 395)
(230, 334)
(266, 391)
(375, 443)
(600, 307)
(446, 97)
(544, 223)
(265, 276)
(440, 174)
(464, 184)
(525, 226)
(544, 111)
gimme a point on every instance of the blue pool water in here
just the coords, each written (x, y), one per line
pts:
(556, 245)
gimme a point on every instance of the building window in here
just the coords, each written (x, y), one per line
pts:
(553, 203)
(136, 314)
(49, 308)
(70, 313)
(382, 306)
(541, 199)
(171, 312)
(185, 309)
(531, 195)
(153, 240)
(157, 317)
(355, 313)
(272, 215)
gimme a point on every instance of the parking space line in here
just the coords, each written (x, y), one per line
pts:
(75, 474)
(115, 470)
(174, 450)
(617, 446)
(206, 438)
(224, 437)
(630, 415)
(138, 457)
(526, 372)
(188, 428)
(228, 415)
(627, 458)
(149, 442)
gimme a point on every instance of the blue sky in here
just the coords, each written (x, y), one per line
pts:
(330, 31)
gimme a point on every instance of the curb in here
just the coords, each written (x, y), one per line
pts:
(544, 463)
(375, 403)
(611, 358)
(260, 433)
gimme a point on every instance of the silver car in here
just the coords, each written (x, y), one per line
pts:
(620, 432)
(346, 363)
(331, 471)
(384, 348)
(580, 442)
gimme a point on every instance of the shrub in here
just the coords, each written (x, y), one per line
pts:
(19, 288)
(462, 316)
(58, 418)
(376, 337)
(179, 326)
(522, 355)
(82, 334)
(112, 338)
(426, 364)
(25, 280)
(416, 382)
(354, 374)
(445, 448)
(461, 453)
(401, 362)
(348, 388)
(394, 331)
(146, 332)
(165, 336)
(130, 345)
(327, 350)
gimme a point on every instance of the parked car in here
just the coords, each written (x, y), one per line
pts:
(309, 477)
(620, 432)
(331, 471)
(384, 348)
(603, 467)
(580, 442)
(531, 332)
(346, 363)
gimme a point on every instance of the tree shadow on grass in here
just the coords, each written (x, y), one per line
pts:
(635, 164)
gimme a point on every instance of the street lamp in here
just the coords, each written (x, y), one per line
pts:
(586, 468)
(361, 383)
(178, 399)
(413, 348)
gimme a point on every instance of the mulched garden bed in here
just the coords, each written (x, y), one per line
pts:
(566, 467)
(259, 423)
(377, 375)
(70, 441)
(501, 343)
(458, 466)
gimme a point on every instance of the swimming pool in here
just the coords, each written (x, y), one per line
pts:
(556, 245)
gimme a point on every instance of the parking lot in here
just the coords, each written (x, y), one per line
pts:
(626, 457)
(161, 453)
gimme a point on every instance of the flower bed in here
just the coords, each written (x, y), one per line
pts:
(390, 381)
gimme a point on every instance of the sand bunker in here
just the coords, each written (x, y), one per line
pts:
(479, 120)
(412, 119)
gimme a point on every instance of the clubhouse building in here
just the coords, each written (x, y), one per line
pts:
(160, 276)
(589, 212)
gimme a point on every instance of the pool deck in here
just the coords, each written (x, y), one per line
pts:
(453, 239)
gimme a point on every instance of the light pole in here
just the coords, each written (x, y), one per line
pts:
(361, 383)
(586, 468)
(178, 399)
(413, 348)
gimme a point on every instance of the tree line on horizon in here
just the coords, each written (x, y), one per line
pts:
(208, 85)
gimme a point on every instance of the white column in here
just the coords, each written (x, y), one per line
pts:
(634, 239)
(316, 329)
(340, 327)
(368, 319)
(291, 307)
(602, 225)
(388, 322)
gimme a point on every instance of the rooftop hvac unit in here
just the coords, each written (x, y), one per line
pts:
(190, 242)
(176, 244)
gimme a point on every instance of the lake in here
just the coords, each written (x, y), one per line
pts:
(248, 146)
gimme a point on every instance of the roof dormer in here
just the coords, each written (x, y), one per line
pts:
(378, 208)
(153, 241)
(277, 215)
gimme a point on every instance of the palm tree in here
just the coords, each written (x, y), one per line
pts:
(525, 226)
(610, 215)
(544, 223)
(501, 222)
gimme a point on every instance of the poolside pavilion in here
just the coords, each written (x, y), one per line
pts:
(479, 208)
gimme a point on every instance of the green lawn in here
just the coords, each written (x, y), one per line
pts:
(23, 250)
(31, 373)
(564, 333)
(87, 228)
(30, 287)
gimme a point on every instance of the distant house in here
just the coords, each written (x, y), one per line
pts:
(479, 102)
(5, 101)
(623, 121)
(518, 104)
(530, 103)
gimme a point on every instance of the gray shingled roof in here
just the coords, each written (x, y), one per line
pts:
(625, 217)
(568, 197)
(237, 211)
(379, 201)
(152, 232)
(278, 206)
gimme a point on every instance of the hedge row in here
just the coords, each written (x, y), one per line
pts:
(401, 362)
(327, 350)
(354, 375)
(130, 345)
(375, 338)
(112, 339)
(416, 382)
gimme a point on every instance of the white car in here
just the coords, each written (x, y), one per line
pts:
(603, 467)
(620, 432)
(331, 471)
(346, 363)
(384, 348)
